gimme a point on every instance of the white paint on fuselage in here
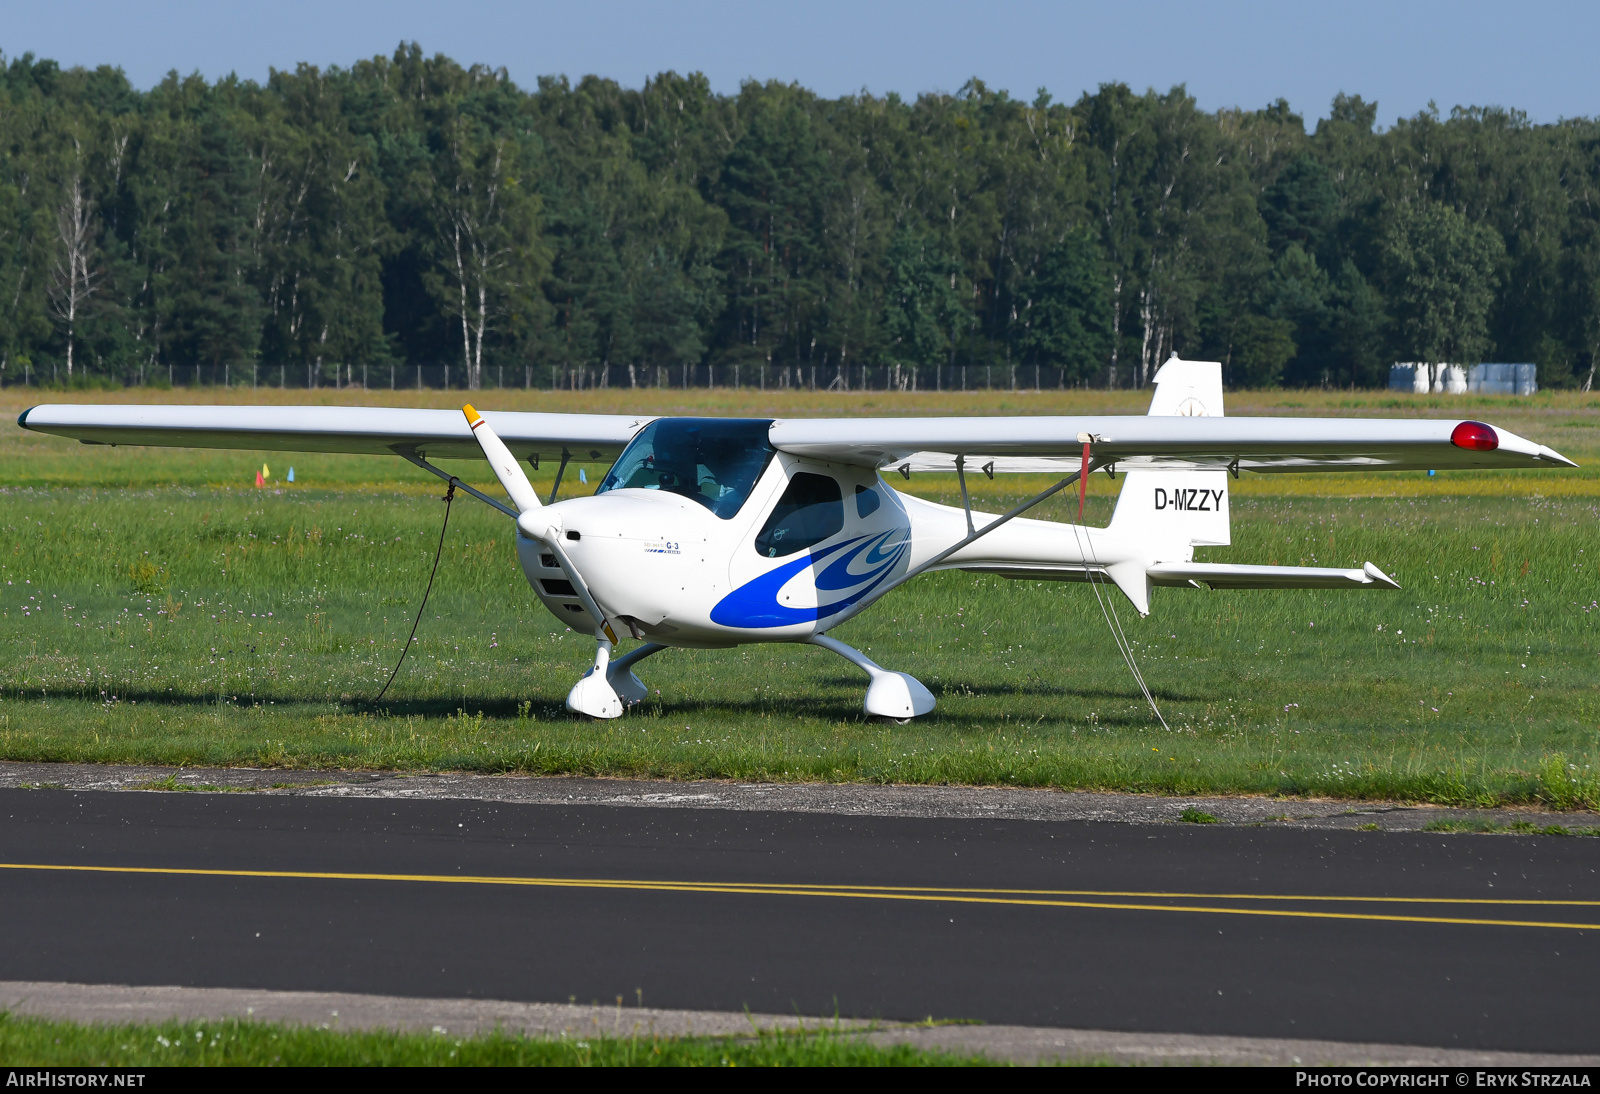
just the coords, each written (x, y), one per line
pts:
(665, 562)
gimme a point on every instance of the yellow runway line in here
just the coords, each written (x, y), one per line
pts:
(1196, 896)
(1004, 897)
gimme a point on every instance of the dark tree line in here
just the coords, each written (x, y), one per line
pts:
(408, 220)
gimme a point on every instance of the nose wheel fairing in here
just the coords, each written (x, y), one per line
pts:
(609, 687)
(593, 695)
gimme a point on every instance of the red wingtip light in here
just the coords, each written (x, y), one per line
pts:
(1475, 436)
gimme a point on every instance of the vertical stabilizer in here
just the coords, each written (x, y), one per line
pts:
(1187, 389)
(1175, 511)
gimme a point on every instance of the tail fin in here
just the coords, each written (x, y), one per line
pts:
(1177, 511)
(1187, 389)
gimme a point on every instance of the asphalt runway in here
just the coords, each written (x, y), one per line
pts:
(1488, 942)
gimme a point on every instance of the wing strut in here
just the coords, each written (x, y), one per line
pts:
(966, 502)
(1010, 515)
(562, 470)
(453, 481)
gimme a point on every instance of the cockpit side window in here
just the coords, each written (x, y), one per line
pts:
(866, 502)
(811, 510)
(714, 461)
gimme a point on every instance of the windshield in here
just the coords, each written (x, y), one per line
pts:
(714, 461)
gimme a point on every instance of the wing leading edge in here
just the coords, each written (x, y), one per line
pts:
(439, 434)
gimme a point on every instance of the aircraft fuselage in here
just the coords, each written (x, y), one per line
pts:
(674, 572)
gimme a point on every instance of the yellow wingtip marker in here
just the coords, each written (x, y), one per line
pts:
(473, 417)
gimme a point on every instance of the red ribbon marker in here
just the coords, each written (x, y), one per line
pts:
(1083, 481)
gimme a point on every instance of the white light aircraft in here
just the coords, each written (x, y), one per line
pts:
(713, 532)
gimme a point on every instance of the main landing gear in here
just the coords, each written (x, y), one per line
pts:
(896, 695)
(610, 687)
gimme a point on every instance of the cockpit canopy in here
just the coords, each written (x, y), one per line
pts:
(714, 461)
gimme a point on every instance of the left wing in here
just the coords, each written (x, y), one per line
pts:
(440, 434)
(1129, 441)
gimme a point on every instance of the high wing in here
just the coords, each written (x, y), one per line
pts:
(1251, 444)
(440, 434)
(1009, 443)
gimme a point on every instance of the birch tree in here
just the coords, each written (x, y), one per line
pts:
(487, 227)
(72, 277)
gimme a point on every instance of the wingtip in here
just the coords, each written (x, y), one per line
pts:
(1553, 456)
(22, 419)
(473, 417)
(1379, 577)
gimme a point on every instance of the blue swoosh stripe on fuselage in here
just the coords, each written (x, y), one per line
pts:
(897, 548)
(838, 576)
(754, 605)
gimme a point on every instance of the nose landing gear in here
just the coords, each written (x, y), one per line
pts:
(630, 689)
(610, 687)
(593, 695)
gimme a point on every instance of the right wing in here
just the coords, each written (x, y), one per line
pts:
(584, 438)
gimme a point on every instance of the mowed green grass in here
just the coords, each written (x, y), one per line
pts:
(154, 608)
(31, 1042)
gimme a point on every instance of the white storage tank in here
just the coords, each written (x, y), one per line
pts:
(1488, 379)
(1504, 379)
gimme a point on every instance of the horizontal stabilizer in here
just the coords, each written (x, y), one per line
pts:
(1222, 576)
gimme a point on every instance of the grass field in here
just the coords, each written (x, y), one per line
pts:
(30, 1042)
(155, 607)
